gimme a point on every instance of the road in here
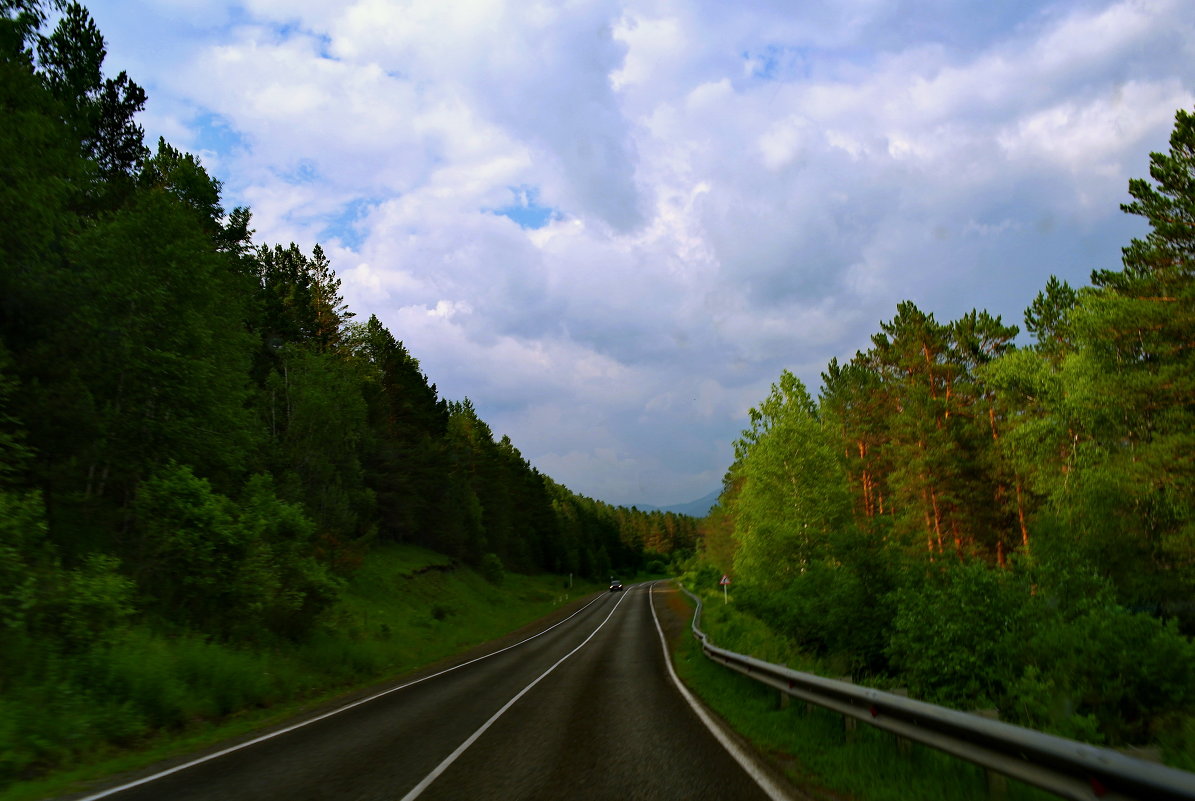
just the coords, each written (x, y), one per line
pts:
(583, 709)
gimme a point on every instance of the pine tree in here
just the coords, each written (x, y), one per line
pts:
(1131, 391)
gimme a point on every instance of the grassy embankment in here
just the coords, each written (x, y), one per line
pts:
(158, 696)
(812, 745)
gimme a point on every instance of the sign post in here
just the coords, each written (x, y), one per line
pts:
(725, 581)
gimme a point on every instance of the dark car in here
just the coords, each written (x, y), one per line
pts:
(615, 585)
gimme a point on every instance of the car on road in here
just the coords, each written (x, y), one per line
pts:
(615, 585)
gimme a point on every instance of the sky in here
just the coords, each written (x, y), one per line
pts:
(612, 224)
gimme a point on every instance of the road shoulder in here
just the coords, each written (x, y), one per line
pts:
(675, 614)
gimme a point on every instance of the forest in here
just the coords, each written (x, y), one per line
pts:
(198, 439)
(993, 524)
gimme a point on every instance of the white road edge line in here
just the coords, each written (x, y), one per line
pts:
(770, 788)
(418, 789)
(337, 711)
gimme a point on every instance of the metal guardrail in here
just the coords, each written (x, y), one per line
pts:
(1065, 767)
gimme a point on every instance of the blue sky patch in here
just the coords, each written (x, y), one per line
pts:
(346, 226)
(778, 62)
(304, 171)
(526, 210)
(215, 134)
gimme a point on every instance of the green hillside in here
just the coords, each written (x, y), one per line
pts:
(153, 695)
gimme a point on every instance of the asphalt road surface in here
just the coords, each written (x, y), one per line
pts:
(585, 709)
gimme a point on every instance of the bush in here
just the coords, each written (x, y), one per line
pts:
(839, 607)
(191, 546)
(44, 607)
(1120, 669)
(491, 569)
(93, 604)
(1048, 646)
(701, 577)
(953, 637)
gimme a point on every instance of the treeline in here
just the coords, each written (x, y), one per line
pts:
(196, 434)
(994, 524)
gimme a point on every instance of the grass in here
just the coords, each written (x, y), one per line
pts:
(152, 696)
(812, 745)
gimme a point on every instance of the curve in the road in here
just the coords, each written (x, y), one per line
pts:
(592, 712)
(279, 732)
(744, 759)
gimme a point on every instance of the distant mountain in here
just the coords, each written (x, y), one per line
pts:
(697, 508)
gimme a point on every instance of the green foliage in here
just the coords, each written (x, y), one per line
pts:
(228, 569)
(26, 560)
(41, 603)
(1047, 645)
(793, 496)
(1021, 524)
(1068, 664)
(183, 176)
(811, 745)
(1046, 318)
(951, 634)
(283, 585)
(190, 548)
(169, 683)
(701, 576)
(839, 610)
(317, 419)
(92, 604)
(491, 569)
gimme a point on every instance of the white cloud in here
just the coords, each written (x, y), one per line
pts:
(1092, 134)
(738, 187)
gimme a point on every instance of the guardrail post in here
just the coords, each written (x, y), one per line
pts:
(849, 723)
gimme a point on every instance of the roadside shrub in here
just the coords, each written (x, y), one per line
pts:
(701, 577)
(281, 583)
(167, 683)
(1121, 670)
(46, 609)
(491, 569)
(25, 555)
(1176, 734)
(840, 608)
(233, 570)
(190, 544)
(92, 604)
(953, 634)
(735, 629)
(1048, 646)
